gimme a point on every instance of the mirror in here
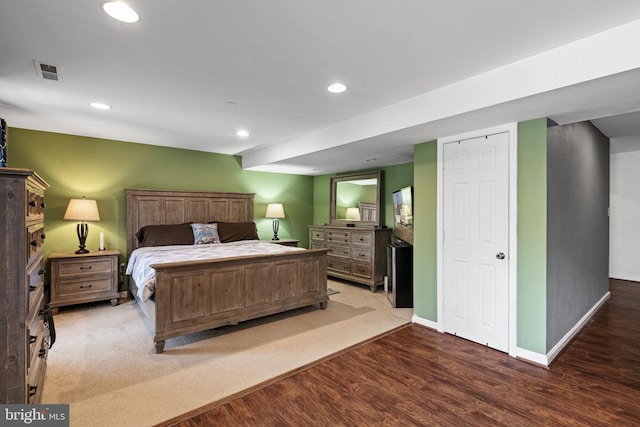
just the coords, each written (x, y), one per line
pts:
(355, 199)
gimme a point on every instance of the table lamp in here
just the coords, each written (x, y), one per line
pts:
(275, 211)
(82, 210)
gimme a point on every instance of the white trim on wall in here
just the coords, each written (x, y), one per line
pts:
(512, 130)
(557, 349)
(424, 322)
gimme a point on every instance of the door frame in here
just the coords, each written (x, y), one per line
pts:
(512, 130)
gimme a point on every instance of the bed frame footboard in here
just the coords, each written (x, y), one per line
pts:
(199, 295)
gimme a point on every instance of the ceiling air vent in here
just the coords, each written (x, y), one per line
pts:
(47, 71)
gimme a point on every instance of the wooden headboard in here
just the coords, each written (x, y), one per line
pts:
(150, 207)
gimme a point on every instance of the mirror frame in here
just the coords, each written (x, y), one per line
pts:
(377, 175)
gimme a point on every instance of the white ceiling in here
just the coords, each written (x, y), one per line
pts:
(191, 73)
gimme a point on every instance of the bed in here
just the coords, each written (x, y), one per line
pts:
(200, 294)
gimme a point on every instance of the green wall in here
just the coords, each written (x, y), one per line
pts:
(532, 229)
(532, 235)
(425, 230)
(78, 166)
(101, 169)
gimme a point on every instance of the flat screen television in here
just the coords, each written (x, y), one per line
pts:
(403, 214)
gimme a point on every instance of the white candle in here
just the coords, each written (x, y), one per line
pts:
(102, 241)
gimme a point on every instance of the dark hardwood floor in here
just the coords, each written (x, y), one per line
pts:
(419, 377)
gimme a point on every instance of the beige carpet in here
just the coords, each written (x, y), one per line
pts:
(104, 366)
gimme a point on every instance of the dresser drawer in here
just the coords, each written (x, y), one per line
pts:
(78, 289)
(35, 239)
(338, 265)
(339, 250)
(338, 236)
(84, 266)
(317, 234)
(316, 245)
(358, 238)
(361, 270)
(35, 276)
(36, 341)
(362, 254)
(35, 377)
(36, 306)
(35, 203)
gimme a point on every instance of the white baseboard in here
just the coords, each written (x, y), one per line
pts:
(532, 356)
(424, 322)
(557, 349)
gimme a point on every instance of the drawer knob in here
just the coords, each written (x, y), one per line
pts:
(43, 205)
(32, 203)
(87, 287)
(86, 268)
(34, 243)
(43, 236)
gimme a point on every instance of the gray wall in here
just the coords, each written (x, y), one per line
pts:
(578, 224)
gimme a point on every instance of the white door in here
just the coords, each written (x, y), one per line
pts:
(476, 240)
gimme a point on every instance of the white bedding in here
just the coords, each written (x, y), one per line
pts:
(141, 259)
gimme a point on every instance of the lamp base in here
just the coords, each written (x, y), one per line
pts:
(83, 231)
(276, 225)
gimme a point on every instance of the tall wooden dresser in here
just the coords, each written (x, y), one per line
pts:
(355, 254)
(24, 333)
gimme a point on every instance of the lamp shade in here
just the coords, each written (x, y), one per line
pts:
(274, 210)
(353, 214)
(82, 210)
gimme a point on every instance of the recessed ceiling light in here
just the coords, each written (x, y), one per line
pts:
(242, 133)
(100, 106)
(121, 11)
(337, 88)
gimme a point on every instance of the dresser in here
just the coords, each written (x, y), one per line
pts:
(355, 254)
(24, 320)
(81, 278)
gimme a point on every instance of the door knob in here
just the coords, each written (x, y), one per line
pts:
(500, 255)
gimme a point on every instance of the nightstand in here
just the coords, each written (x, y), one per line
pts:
(285, 242)
(81, 278)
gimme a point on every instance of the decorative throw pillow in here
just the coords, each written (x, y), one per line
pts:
(205, 233)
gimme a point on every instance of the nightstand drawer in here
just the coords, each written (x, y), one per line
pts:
(81, 267)
(80, 288)
(77, 279)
